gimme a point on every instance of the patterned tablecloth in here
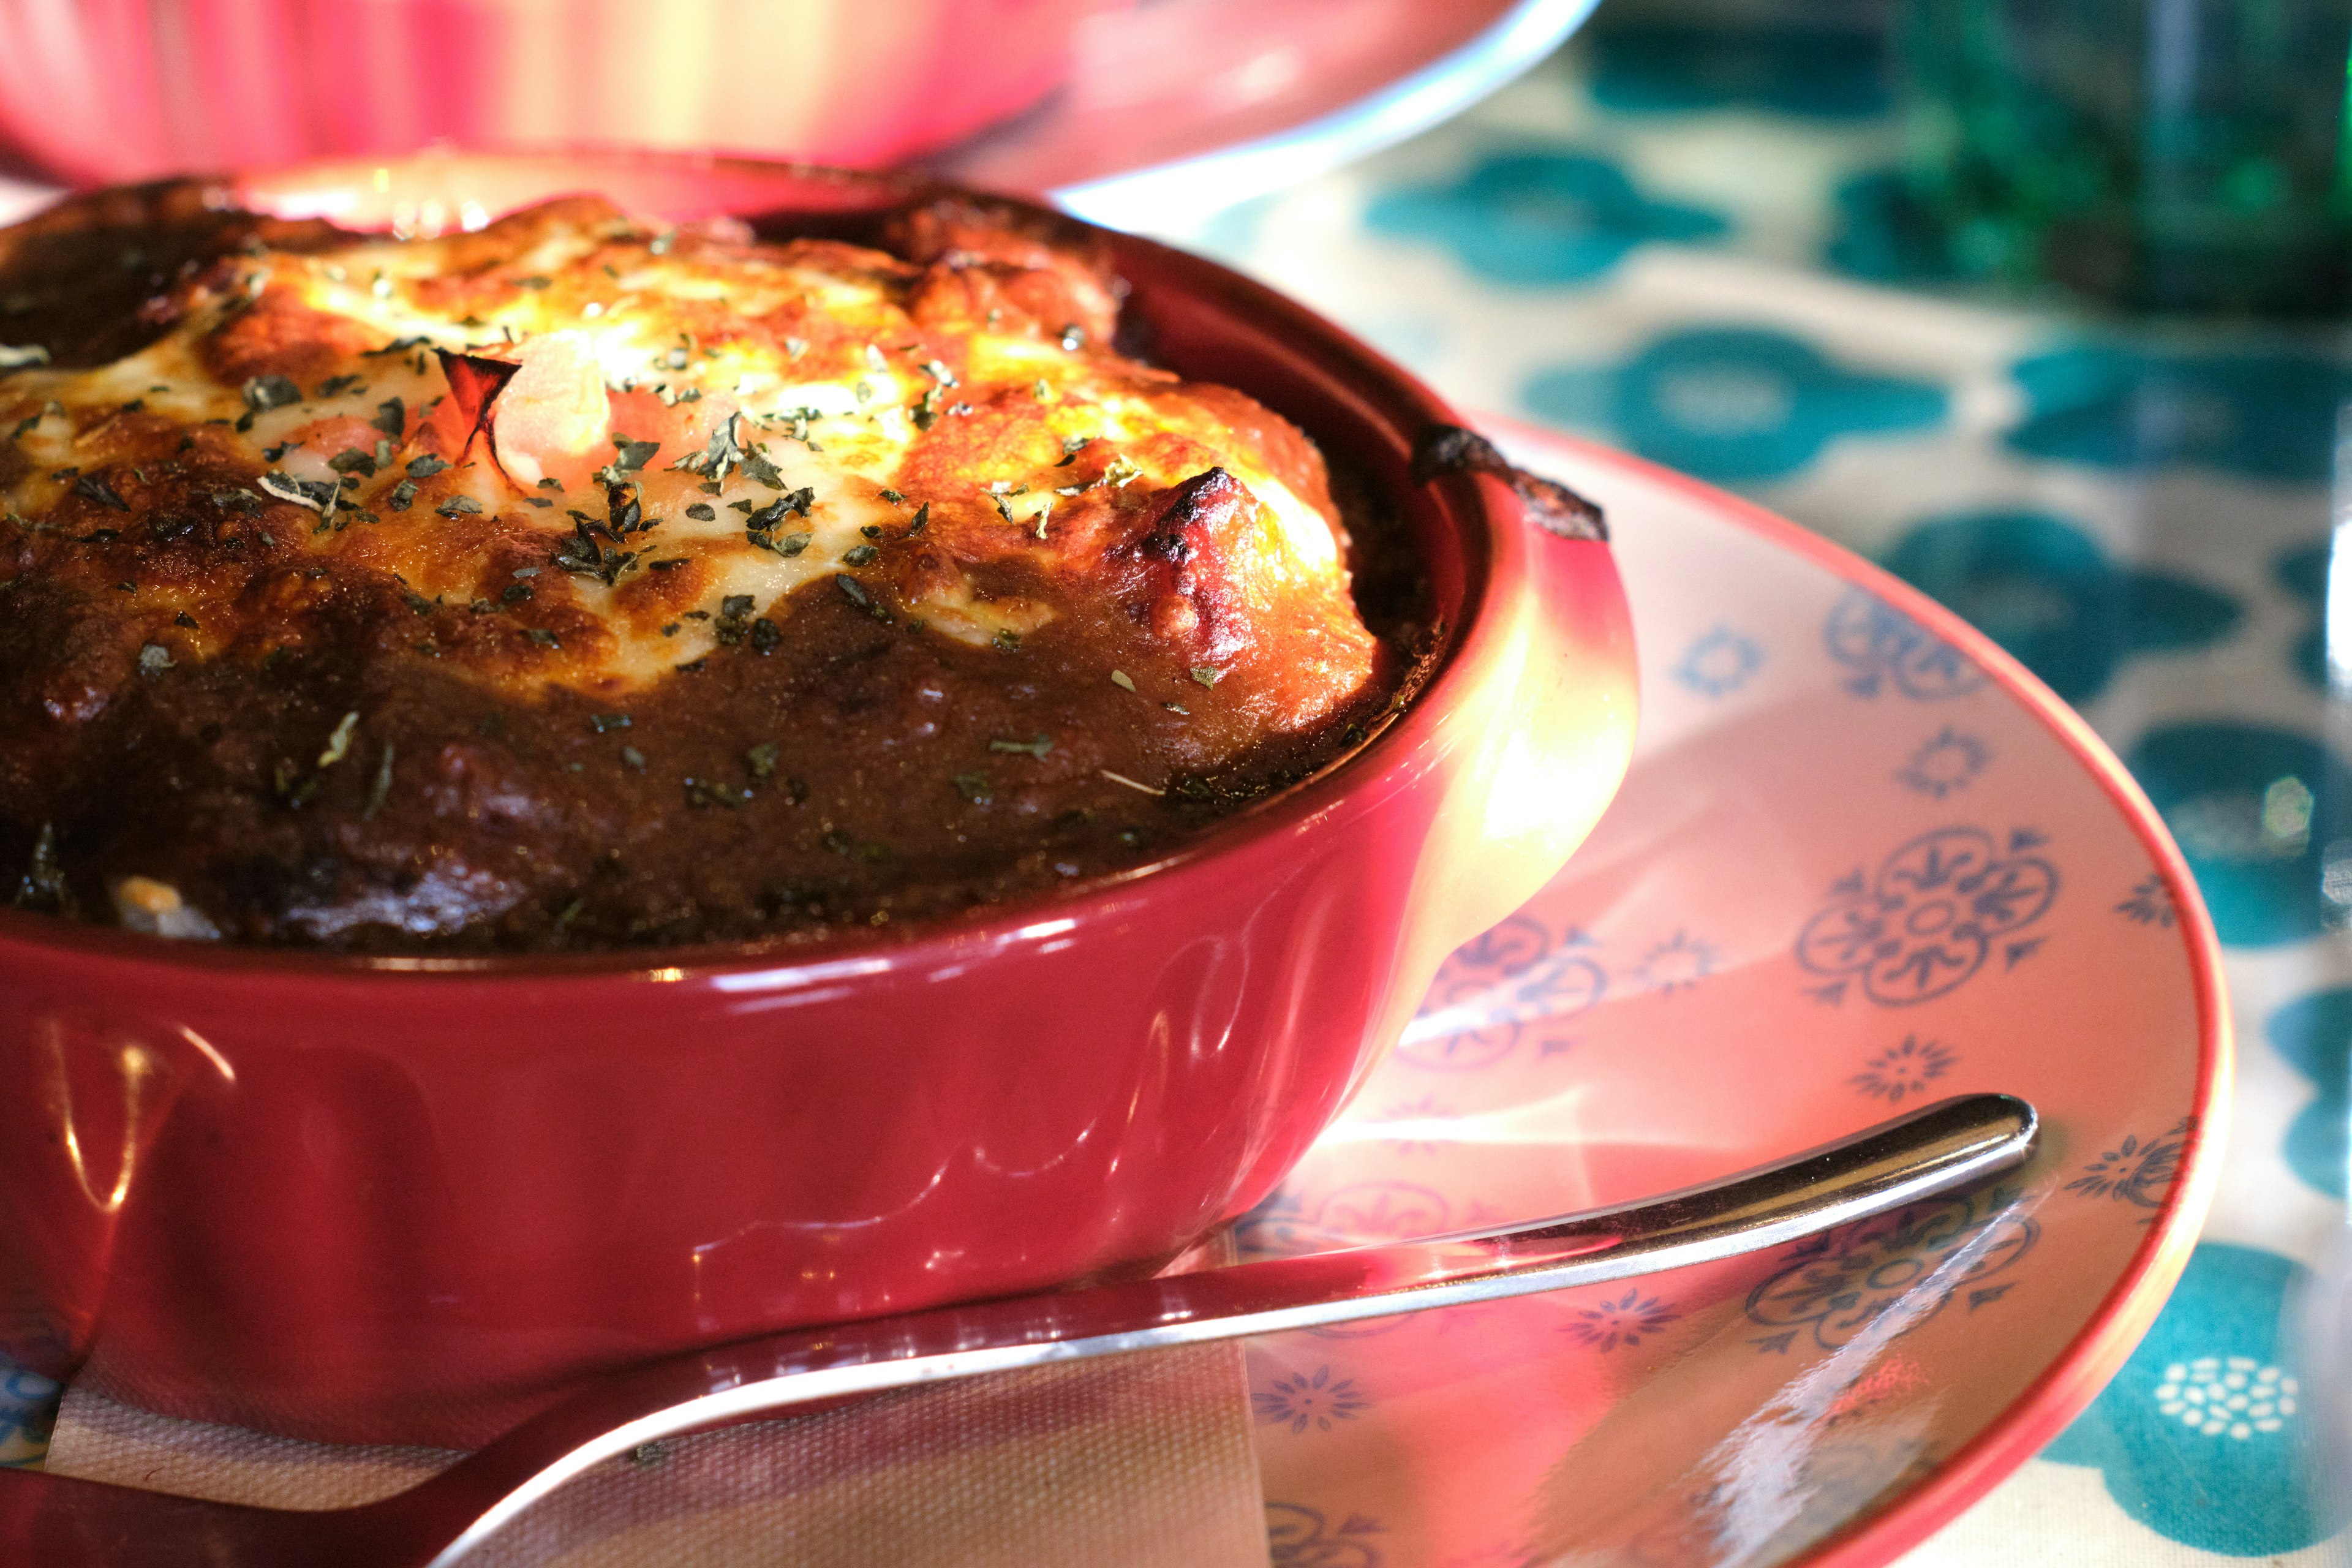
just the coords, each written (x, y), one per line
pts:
(1684, 244)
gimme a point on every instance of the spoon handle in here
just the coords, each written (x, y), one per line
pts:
(1939, 1149)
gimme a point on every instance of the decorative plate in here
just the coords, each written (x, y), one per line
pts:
(1187, 106)
(1863, 860)
(1171, 107)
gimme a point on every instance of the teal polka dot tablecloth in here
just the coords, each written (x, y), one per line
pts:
(1689, 246)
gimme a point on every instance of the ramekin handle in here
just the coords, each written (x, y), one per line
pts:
(1556, 698)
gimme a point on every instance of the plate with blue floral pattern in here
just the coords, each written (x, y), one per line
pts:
(1863, 860)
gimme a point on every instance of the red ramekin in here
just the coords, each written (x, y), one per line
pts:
(407, 1200)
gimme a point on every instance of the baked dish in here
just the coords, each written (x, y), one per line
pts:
(581, 582)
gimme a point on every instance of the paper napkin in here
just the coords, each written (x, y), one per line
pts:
(1143, 1461)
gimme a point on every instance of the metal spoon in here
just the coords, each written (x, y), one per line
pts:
(61, 1522)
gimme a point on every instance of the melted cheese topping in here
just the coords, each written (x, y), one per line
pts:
(633, 447)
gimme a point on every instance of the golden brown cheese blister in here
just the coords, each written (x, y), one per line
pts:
(488, 586)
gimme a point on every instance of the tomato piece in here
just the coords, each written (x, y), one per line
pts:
(682, 428)
(551, 420)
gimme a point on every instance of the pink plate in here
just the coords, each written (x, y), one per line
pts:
(1120, 111)
(1191, 105)
(127, 90)
(1863, 860)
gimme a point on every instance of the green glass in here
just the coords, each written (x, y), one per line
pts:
(2160, 154)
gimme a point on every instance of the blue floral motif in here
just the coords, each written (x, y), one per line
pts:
(1504, 952)
(2301, 574)
(1734, 405)
(1678, 963)
(2267, 415)
(2313, 1036)
(1315, 1398)
(1945, 763)
(2150, 903)
(2045, 591)
(1912, 1263)
(2202, 1437)
(1930, 918)
(1904, 1069)
(2136, 1170)
(1826, 73)
(1514, 972)
(2253, 808)
(1303, 1537)
(1382, 1211)
(1620, 1321)
(1720, 663)
(1537, 218)
(1885, 647)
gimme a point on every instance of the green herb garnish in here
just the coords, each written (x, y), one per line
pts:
(264, 393)
(757, 466)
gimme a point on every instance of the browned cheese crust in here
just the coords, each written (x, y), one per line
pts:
(581, 583)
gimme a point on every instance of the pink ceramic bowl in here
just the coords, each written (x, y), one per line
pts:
(398, 1200)
(127, 90)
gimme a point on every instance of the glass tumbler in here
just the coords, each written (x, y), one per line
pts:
(2173, 155)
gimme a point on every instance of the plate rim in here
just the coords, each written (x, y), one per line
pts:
(2073, 1377)
(1523, 34)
